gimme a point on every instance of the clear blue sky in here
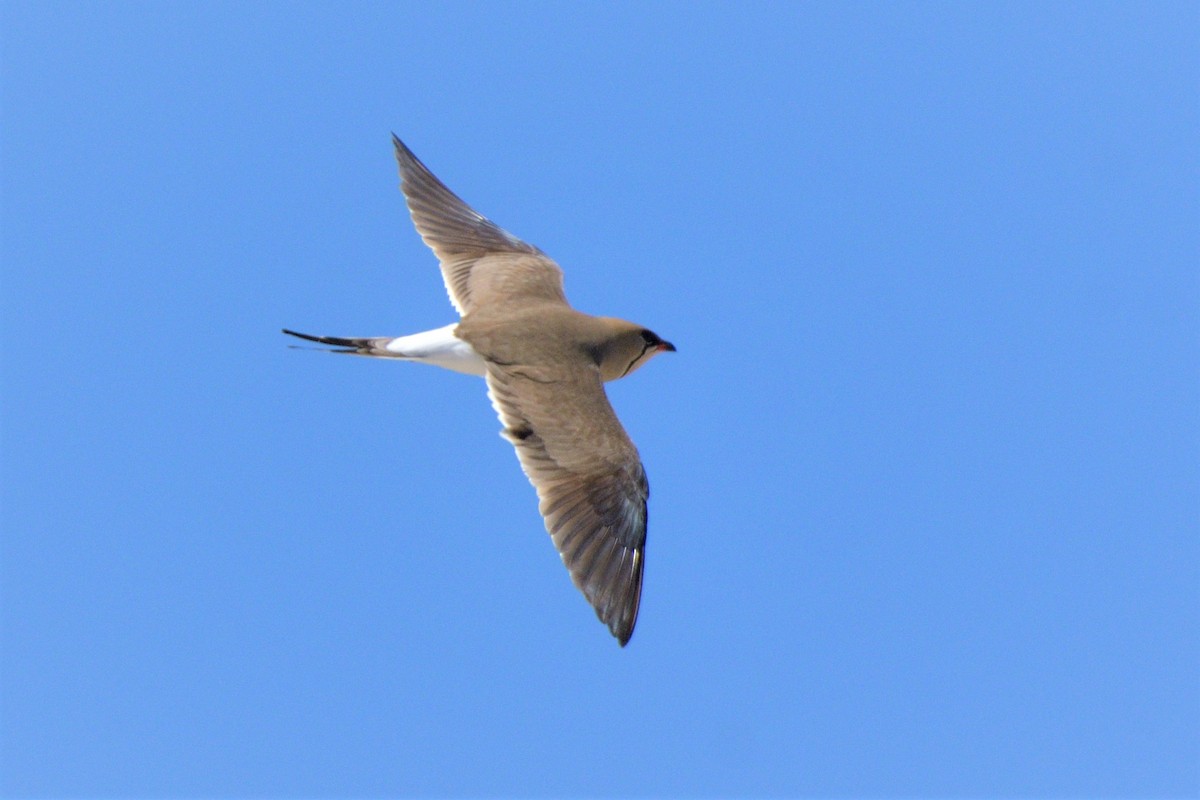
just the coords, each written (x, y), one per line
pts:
(925, 469)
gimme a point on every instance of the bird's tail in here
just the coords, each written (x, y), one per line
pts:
(357, 347)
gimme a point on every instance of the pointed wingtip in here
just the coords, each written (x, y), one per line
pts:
(403, 154)
(410, 165)
(622, 628)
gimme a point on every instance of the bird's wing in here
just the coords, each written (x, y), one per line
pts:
(481, 262)
(589, 479)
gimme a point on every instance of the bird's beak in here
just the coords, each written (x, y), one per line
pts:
(666, 346)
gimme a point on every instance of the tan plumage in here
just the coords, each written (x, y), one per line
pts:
(545, 366)
(478, 258)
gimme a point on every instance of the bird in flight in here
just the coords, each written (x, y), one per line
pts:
(545, 365)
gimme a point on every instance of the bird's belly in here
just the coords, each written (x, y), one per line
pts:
(441, 348)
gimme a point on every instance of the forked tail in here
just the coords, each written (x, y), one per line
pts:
(358, 347)
(439, 347)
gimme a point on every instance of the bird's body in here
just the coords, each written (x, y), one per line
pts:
(545, 364)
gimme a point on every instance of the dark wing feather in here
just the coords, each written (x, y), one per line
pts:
(589, 479)
(462, 238)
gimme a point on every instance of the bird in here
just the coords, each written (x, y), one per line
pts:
(545, 365)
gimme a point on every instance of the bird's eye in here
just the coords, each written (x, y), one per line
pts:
(650, 338)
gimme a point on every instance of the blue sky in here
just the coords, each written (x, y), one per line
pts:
(925, 470)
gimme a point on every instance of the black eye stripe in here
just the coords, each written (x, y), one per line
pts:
(637, 359)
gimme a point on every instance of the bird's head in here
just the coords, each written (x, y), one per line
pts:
(626, 347)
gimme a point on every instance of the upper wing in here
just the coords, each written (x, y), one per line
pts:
(589, 479)
(480, 260)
